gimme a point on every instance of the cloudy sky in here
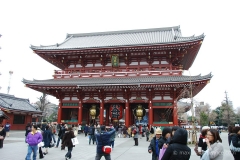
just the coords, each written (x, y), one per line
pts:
(47, 22)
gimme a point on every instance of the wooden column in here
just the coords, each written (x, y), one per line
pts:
(101, 112)
(107, 116)
(60, 111)
(150, 113)
(175, 115)
(80, 113)
(127, 113)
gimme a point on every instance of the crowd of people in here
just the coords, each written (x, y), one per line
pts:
(169, 143)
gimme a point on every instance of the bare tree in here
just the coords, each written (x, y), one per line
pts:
(43, 103)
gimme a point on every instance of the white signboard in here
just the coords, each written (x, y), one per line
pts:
(236, 125)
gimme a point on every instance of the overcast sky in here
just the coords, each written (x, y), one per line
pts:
(47, 22)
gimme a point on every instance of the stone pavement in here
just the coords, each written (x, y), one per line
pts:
(15, 149)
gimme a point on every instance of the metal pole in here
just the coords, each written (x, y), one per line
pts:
(192, 110)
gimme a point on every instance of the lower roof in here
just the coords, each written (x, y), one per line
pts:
(10, 102)
(3, 115)
(116, 81)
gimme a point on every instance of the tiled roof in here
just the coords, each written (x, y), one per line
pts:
(13, 103)
(3, 115)
(117, 81)
(170, 35)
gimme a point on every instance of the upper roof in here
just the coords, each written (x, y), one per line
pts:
(11, 102)
(117, 81)
(141, 37)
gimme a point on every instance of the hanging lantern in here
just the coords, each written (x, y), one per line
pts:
(116, 112)
(93, 111)
(139, 112)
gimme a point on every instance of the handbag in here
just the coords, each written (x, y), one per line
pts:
(107, 149)
(74, 141)
(1, 137)
(234, 149)
(161, 153)
(41, 144)
(206, 155)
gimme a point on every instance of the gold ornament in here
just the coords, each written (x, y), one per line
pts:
(93, 111)
(139, 112)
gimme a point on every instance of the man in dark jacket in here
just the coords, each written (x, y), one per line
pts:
(91, 133)
(178, 148)
(155, 145)
(103, 139)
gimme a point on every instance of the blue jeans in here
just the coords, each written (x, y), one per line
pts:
(69, 153)
(58, 141)
(91, 137)
(112, 144)
(30, 150)
(53, 137)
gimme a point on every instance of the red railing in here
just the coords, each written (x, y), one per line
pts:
(78, 74)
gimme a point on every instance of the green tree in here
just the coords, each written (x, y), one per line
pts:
(204, 119)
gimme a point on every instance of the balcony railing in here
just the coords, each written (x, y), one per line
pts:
(76, 74)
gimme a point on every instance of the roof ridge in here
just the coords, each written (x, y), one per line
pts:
(123, 31)
(13, 97)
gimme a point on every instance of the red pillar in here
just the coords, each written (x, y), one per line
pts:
(60, 111)
(150, 113)
(101, 112)
(127, 113)
(80, 113)
(175, 115)
(107, 116)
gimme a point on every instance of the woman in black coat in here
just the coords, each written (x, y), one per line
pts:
(67, 141)
(2, 135)
(178, 148)
(235, 139)
(47, 138)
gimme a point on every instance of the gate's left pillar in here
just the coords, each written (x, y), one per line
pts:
(80, 113)
(60, 111)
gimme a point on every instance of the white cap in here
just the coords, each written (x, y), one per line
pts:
(205, 127)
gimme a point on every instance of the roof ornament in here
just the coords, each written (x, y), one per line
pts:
(57, 44)
(174, 36)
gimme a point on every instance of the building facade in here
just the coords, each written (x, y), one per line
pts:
(17, 111)
(135, 73)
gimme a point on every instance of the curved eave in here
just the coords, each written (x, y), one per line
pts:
(140, 81)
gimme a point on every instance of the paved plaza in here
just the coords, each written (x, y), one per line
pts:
(15, 149)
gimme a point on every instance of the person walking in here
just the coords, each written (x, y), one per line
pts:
(67, 141)
(154, 146)
(147, 133)
(2, 135)
(91, 132)
(7, 128)
(40, 147)
(235, 139)
(27, 130)
(178, 146)
(86, 130)
(135, 133)
(47, 138)
(33, 138)
(112, 139)
(61, 133)
(103, 139)
(79, 128)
